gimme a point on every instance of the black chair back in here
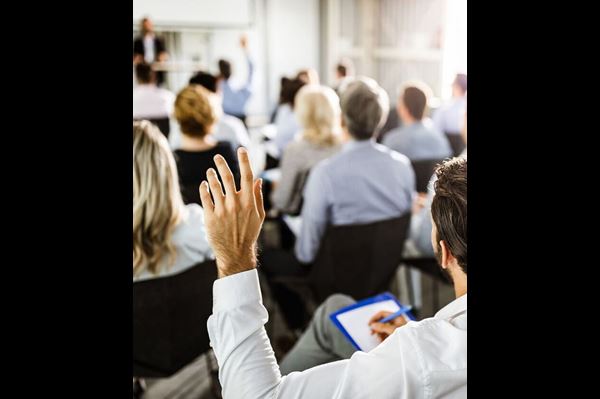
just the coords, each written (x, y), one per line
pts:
(298, 193)
(163, 124)
(359, 260)
(456, 143)
(169, 320)
(423, 171)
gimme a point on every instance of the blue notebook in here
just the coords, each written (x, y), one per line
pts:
(353, 320)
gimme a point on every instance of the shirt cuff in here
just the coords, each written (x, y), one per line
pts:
(236, 290)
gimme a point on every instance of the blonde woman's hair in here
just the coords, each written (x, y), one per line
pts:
(157, 203)
(318, 111)
(196, 110)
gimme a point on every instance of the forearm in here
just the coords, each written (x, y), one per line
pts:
(250, 71)
(247, 364)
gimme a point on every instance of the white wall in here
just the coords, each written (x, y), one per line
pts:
(283, 38)
(191, 12)
(455, 44)
(293, 39)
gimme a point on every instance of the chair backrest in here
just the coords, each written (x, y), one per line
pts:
(359, 260)
(423, 171)
(456, 142)
(169, 320)
(163, 124)
(297, 200)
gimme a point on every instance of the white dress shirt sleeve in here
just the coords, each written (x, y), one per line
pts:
(248, 368)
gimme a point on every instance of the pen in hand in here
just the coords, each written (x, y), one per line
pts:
(397, 314)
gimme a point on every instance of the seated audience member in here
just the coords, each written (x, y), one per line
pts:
(228, 128)
(418, 139)
(286, 122)
(322, 342)
(350, 188)
(149, 101)
(235, 99)
(425, 359)
(365, 182)
(418, 243)
(318, 110)
(197, 111)
(449, 118)
(168, 236)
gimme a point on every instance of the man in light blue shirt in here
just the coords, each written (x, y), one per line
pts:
(234, 100)
(418, 139)
(449, 118)
(364, 183)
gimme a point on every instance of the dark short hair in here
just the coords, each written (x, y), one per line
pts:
(206, 80)
(415, 101)
(289, 89)
(225, 68)
(345, 67)
(449, 208)
(461, 81)
(144, 73)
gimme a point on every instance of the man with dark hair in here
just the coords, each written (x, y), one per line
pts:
(225, 69)
(149, 48)
(206, 80)
(228, 128)
(149, 101)
(144, 73)
(418, 139)
(425, 359)
(235, 100)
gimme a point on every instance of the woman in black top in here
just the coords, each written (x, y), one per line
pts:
(196, 111)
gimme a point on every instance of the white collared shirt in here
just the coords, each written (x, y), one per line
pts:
(426, 359)
(151, 102)
(149, 48)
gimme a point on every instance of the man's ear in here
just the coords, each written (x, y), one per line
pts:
(446, 255)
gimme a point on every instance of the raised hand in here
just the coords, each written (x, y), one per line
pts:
(234, 219)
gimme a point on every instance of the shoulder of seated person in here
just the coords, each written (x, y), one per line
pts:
(395, 155)
(393, 134)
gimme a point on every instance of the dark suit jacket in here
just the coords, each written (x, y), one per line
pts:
(159, 47)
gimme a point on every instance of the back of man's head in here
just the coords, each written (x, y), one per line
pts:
(206, 80)
(144, 73)
(365, 106)
(225, 69)
(414, 97)
(449, 208)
